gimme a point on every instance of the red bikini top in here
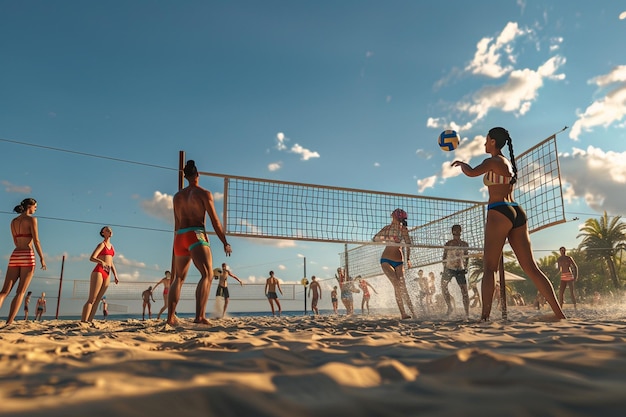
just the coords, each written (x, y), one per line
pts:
(107, 251)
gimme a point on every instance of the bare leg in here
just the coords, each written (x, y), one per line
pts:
(10, 279)
(562, 292)
(181, 266)
(26, 274)
(390, 273)
(572, 293)
(496, 231)
(272, 306)
(446, 294)
(280, 309)
(94, 308)
(203, 261)
(164, 306)
(95, 283)
(465, 295)
(520, 242)
(225, 306)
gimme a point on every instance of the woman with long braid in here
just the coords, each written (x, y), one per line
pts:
(505, 219)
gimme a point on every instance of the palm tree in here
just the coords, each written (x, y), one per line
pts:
(604, 239)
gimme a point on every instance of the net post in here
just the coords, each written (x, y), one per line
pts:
(60, 285)
(181, 166)
(502, 289)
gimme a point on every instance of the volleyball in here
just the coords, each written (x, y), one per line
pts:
(449, 140)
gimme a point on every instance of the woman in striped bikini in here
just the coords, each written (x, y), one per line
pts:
(505, 219)
(22, 262)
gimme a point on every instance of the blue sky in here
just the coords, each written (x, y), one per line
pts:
(349, 94)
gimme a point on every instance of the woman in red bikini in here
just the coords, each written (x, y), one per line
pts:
(22, 262)
(99, 282)
(505, 220)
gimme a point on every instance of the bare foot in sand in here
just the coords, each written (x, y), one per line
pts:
(201, 320)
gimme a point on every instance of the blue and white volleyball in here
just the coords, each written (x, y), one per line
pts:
(448, 140)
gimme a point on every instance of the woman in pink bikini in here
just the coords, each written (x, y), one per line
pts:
(99, 282)
(392, 259)
(22, 262)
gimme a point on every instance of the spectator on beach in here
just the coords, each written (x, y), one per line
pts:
(365, 301)
(26, 304)
(271, 284)
(316, 289)
(346, 289)
(505, 220)
(99, 280)
(455, 266)
(146, 296)
(569, 274)
(25, 233)
(333, 299)
(166, 281)
(105, 308)
(222, 286)
(424, 292)
(432, 288)
(191, 204)
(475, 298)
(393, 257)
(41, 307)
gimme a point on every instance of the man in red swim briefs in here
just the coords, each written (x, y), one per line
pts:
(191, 204)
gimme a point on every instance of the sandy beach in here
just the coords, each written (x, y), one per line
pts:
(317, 366)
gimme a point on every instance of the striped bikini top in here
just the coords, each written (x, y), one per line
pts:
(491, 178)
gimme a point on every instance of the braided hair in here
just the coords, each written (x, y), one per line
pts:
(501, 136)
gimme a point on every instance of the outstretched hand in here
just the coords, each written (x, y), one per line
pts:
(227, 249)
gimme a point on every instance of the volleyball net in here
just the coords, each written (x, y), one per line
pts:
(271, 209)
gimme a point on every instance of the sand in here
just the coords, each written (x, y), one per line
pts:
(317, 366)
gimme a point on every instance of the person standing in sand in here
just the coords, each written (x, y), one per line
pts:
(41, 307)
(365, 301)
(222, 286)
(271, 284)
(166, 281)
(505, 220)
(334, 300)
(105, 308)
(146, 296)
(316, 289)
(346, 289)
(22, 261)
(393, 257)
(26, 304)
(569, 274)
(191, 205)
(99, 280)
(455, 259)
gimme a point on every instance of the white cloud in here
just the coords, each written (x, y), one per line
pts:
(274, 166)
(160, 206)
(607, 110)
(425, 183)
(491, 52)
(596, 176)
(305, 154)
(280, 141)
(516, 94)
(20, 189)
